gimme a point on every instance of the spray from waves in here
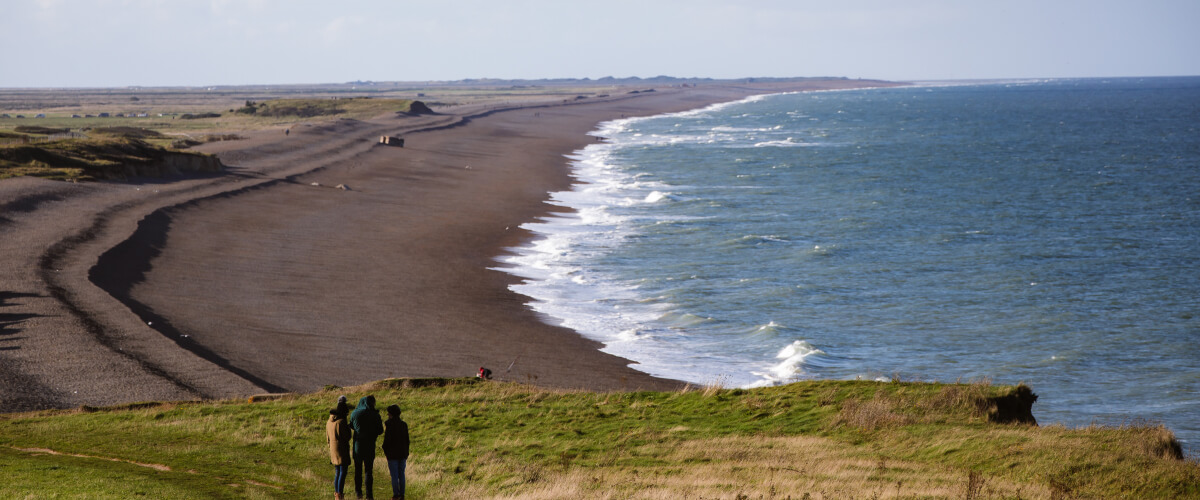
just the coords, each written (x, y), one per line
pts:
(792, 359)
(657, 196)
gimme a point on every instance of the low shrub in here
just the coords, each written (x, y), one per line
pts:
(34, 129)
(131, 132)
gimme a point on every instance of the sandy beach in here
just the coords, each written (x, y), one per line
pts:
(267, 278)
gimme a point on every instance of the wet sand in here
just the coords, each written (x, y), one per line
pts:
(258, 280)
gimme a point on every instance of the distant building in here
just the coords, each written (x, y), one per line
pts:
(40, 115)
(76, 116)
(103, 115)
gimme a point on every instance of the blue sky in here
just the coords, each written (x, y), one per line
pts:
(77, 43)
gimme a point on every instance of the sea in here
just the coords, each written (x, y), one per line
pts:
(1044, 232)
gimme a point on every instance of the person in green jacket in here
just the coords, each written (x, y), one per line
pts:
(367, 427)
(337, 431)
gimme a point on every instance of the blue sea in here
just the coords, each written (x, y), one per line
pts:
(1045, 232)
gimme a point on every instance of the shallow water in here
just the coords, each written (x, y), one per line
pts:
(1044, 232)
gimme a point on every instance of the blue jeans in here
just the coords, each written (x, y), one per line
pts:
(397, 469)
(339, 477)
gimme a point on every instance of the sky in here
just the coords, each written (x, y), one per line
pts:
(116, 43)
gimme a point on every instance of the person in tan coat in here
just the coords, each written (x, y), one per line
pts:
(337, 430)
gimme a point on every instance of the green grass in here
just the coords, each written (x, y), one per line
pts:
(506, 440)
(118, 142)
(308, 108)
(270, 113)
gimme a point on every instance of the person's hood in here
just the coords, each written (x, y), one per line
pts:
(367, 403)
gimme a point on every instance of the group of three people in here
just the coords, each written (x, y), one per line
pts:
(362, 427)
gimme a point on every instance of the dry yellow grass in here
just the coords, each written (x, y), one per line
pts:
(795, 467)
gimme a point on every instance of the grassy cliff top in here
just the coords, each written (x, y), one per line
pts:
(820, 439)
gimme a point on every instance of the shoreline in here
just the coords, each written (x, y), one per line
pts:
(300, 286)
(531, 265)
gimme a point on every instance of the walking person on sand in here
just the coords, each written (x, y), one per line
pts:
(395, 448)
(338, 432)
(367, 427)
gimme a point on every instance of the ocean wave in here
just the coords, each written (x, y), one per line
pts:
(616, 126)
(753, 240)
(790, 142)
(791, 366)
(657, 196)
(729, 129)
(768, 330)
(683, 320)
(613, 202)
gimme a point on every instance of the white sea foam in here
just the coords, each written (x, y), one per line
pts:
(853, 289)
(556, 279)
(791, 365)
(657, 196)
(790, 142)
(561, 276)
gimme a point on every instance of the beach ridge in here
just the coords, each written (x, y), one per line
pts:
(244, 270)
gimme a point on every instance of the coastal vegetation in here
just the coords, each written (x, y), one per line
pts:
(120, 147)
(360, 107)
(815, 440)
(183, 117)
(115, 153)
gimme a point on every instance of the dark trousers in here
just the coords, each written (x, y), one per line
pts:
(359, 466)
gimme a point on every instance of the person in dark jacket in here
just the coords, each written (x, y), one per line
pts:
(367, 427)
(338, 433)
(395, 448)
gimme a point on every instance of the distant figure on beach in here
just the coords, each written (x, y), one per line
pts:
(338, 432)
(484, 373)
(367, 427)
(287, 131)
(395, 448)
